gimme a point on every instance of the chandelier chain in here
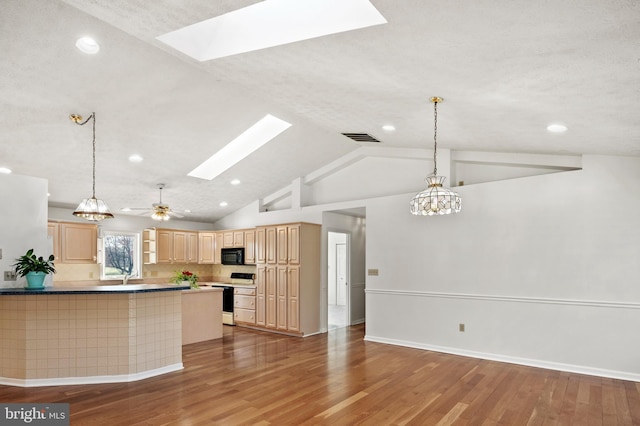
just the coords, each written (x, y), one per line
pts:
(93, 115)
(435, 139)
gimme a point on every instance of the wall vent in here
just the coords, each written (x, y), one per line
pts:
(361, 137)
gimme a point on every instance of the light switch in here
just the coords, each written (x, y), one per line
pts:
(373, 272)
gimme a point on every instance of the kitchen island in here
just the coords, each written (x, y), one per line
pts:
(97, 334)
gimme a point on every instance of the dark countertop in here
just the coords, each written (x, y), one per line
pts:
(100, 289)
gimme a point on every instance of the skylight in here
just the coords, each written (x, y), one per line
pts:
(250, 140)
(271, 23)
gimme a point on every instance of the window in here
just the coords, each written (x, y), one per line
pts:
(121, 255)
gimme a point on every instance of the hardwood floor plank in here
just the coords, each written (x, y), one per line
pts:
(258, 378)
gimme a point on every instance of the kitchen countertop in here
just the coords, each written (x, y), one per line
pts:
(101, 289)
(202, 289)
(222, 284)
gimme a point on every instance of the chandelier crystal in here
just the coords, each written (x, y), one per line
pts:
(91, 209)
(436, 199)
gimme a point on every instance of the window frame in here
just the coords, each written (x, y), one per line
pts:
(137, 255)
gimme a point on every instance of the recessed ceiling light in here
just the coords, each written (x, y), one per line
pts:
(224, 204)
(235, 182)
(388, 128)
(48, 194)
(5, 170)
(88, 45)
(125, 209)
(233, 152)
(187, 211)
(271, 23)
(557, 128)
(135, 158)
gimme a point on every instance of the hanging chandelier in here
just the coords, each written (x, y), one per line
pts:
(436, 199)
(91, 209)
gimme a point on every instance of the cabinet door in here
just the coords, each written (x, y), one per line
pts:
(207, 243)
(217, 254)
(271, 296)
(179, 247)
(271, 246)
(238, 238)
(261, 245)
(192, 247)
(228, 239)
(164, 246)
(53, 231)
(79, 243)
(261, 277)
(293, 244)
(293, 298)
(250, 247)
(281, 295)
(281, 245)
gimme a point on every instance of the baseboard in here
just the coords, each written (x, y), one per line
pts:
(570, 368)
(90, 380)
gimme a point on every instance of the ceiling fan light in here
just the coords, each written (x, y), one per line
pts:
(160, 215)
(93, 210)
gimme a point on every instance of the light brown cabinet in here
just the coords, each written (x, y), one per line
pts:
(250, 247)
(207, 247)
(288, 287)
(244, 305)
(261, 245)
(74, 242)
(176, 246)
(233, 239)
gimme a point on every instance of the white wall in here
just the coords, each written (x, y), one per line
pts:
(23, 222)
(541, 270)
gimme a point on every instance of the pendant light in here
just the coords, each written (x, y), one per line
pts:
(91, 209)
(436, 199)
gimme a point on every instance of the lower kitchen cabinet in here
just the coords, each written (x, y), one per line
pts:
(244, 305)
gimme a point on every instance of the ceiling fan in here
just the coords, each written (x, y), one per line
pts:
(161, 211)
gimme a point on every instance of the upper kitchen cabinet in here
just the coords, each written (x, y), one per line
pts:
(74, 242)
(175, 246)
(209, 245)
(234, 238)
(206, 247)
(250, 247)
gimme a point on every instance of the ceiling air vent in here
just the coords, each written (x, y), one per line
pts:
(361, 137)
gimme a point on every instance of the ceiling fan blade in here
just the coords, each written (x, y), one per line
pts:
(173, 213)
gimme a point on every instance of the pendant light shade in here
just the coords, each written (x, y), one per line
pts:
(436, 199)
(91, 209)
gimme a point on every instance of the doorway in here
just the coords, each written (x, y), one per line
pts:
(338, 280)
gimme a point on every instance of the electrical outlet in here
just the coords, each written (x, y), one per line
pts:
(461, 328)
(90, 274)
(9, 275)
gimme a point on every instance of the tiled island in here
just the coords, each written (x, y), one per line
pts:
(81, 335)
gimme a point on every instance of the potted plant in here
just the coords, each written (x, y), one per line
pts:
(34, 268)
(186, 278)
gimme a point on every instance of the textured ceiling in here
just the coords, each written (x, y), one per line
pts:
(506, 69)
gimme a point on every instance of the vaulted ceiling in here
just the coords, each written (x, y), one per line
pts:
(506, 68)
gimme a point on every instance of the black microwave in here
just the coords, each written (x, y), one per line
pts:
(232, 256)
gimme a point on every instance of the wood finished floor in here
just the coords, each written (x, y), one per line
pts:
(258, 378)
